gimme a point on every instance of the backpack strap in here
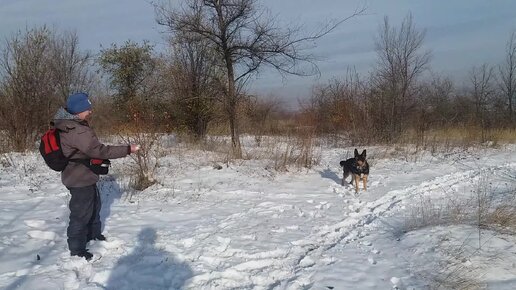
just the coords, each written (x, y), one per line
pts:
(82, 161)
(85, 161)
(73, 153)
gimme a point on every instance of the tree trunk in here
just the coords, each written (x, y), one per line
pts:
(232, 110)
(512, 123)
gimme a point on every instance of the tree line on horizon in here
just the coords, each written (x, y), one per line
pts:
(215, 48)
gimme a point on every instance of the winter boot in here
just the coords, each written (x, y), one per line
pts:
(84, 254)
(100, 237)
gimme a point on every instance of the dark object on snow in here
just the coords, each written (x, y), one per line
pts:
(217, 166)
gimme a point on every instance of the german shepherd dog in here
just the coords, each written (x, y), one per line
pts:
(357, 167)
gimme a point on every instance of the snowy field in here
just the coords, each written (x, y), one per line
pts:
(246, 226)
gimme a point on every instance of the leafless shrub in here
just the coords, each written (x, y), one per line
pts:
(431, 212)
(486, 208)
(283, 155)
(501, 215)
(147, 158)
(259, 113)
(6, 160)
(453, 271)
(455, 276)
(300, 151)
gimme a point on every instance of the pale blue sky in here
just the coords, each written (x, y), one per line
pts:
(460, 33)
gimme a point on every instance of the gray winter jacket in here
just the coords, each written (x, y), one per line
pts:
(78, 141)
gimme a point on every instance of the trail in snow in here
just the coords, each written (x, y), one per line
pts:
(303, 253)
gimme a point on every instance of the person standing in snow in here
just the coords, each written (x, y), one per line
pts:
(79, 141)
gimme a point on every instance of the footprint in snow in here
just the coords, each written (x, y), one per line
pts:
(323, 205)
(371, 260)
(367, 243)
(42, 235)
(188, 243)
(224, 244)
(306, 262)
(36, 224)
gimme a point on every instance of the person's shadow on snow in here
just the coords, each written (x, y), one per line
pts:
(148, 267)
(327, 173)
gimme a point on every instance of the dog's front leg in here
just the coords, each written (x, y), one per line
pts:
(364, 180)
(357, 179)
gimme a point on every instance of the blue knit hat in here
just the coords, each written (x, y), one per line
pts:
(78, 103)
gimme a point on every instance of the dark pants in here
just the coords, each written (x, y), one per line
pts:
(84, 217)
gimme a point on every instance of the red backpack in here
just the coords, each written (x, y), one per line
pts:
(50, 149)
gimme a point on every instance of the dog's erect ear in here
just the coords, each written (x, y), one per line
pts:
(356, 153)
(363, 154)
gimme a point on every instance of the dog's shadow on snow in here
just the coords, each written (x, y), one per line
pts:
(149, 267)
(327, 173)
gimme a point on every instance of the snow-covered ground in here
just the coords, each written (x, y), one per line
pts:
(247, 227)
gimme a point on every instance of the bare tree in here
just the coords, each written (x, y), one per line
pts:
(436, 101)
(259, 112)
(335, 104)
(195, 83)
(508, 77)
(244, 39)
(482, 81)
(69, 65)
(33, 83)
(400, 63)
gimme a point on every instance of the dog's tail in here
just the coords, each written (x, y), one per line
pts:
(342, 163)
